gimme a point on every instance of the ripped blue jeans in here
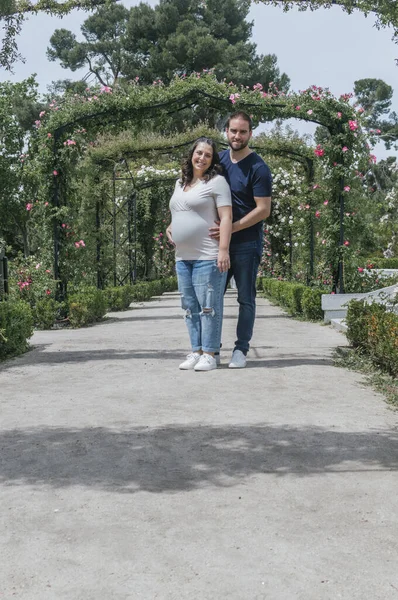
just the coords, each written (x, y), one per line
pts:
(202, 297)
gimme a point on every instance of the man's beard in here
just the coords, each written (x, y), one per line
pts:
(240, 145)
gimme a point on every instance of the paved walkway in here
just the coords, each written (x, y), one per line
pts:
(122, 478)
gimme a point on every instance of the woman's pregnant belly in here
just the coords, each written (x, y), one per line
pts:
(191, 236)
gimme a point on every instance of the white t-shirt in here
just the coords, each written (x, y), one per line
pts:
(192, 213)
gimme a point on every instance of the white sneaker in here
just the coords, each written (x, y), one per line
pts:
(206, 363)
(190, 361)
(238, 360)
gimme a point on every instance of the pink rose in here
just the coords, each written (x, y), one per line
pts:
(319, 151)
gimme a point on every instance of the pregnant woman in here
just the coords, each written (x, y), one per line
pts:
(201, 197)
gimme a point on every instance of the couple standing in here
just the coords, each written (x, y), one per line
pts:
(217, 210)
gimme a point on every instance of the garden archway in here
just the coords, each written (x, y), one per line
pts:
(151, 107)
(113, 154)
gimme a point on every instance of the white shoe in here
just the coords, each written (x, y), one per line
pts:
(190, 361)
(206, 363)
(238, 360)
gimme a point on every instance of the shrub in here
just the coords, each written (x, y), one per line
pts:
(86, 307)
(45, 312)
(16, 327)
(286, 293)
(295, 298)
(90, 304)
(373, 329)
(146, 289)
(118, 298)
(382, 263)
(312, 304)
(383, 340)
(357, 320)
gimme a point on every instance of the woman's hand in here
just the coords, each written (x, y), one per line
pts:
(223, 261)
(169, 237)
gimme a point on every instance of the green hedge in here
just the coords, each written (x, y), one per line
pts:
(382, 263)
(120, 298)
(374, 330)
(296, 298)
(16, 327)
(91, 304)
(45, 312)
(86, 307)
(312, 304)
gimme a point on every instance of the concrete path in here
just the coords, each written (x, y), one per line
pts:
(123, 478)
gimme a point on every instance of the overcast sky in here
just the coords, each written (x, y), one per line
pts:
(326, 47)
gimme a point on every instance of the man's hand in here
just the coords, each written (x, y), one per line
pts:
(214, 232)
(169, 237)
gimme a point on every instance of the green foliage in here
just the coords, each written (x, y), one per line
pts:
(86, 306)
(312, 304)
(12, 14)
(145, 290)
(171, 38)
(375, 96)
(45, 313)
(374, 330)
(16, 327)
(103, 50)
(386, 11)
(18, 104)
(381, 263)
(295, 298)
(30, 281)
(298, 299)
(358, 313)
(359, 280)
(90, 304)
(118, 298)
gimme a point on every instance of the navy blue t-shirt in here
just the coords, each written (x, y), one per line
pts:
(247, 178)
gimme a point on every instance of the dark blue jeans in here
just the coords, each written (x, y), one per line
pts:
(245, 260)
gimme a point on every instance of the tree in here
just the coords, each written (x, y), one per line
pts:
(102, 51)
(18, 108)
(175, 37)
(374, 96)
(13, 13)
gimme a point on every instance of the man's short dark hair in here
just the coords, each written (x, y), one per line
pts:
(240, 115)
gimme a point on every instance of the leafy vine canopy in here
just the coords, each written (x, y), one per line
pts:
(149, 109)
(386, 11)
